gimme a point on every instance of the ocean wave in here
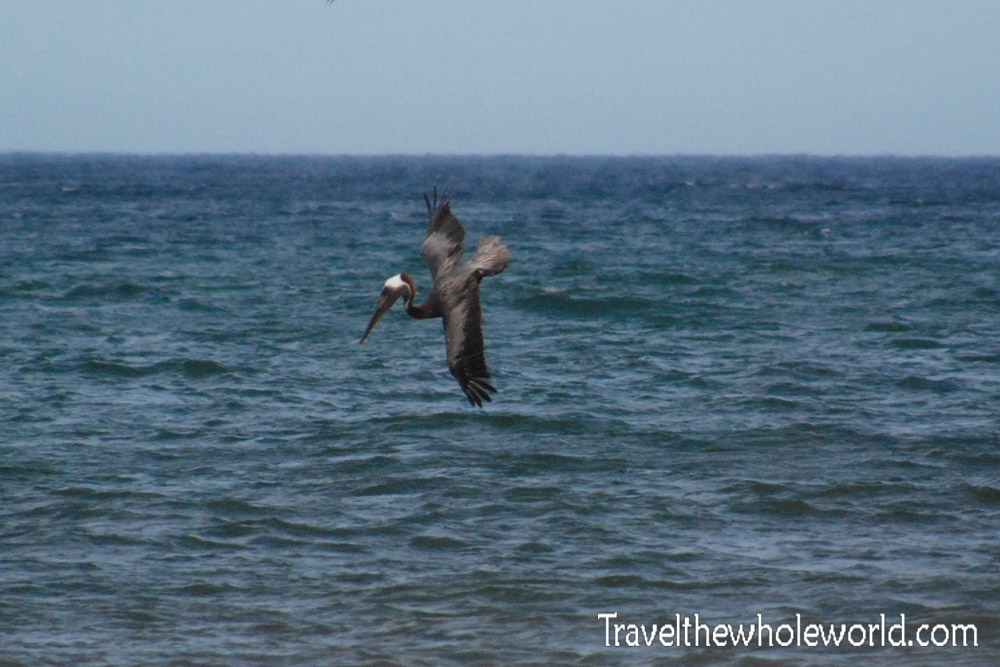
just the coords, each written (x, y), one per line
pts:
(439, 542)
(920, 383)
(580, 305)
(191, 368)
(915, 343)
(197, 306)
(123, 290)
(786, 508)
(984, 493)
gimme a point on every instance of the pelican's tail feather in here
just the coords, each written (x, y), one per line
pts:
(491, 256)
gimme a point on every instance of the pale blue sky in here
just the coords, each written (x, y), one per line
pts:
(908, 77)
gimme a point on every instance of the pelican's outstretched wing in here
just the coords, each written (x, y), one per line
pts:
(463, 335)
(456, 286)
(442, 246)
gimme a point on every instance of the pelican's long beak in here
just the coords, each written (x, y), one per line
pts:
(385, 302)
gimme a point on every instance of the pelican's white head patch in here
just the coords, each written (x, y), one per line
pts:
(395, 283)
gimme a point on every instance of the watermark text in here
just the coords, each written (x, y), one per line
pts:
(691, 632)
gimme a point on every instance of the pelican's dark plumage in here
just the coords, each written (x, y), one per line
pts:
(455, 297)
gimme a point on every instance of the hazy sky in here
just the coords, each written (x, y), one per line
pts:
(501, 76)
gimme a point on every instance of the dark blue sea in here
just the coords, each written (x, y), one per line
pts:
(727, 387)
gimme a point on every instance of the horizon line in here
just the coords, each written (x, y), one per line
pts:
(496, 155)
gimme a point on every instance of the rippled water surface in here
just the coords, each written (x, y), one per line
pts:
(726, 387)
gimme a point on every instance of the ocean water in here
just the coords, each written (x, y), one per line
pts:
(727, 387)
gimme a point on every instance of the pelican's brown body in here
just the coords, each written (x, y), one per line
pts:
(455, 296)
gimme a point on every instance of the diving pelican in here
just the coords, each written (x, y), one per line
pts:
(455, 297)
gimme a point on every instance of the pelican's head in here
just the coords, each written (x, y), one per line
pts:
(394, 287)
